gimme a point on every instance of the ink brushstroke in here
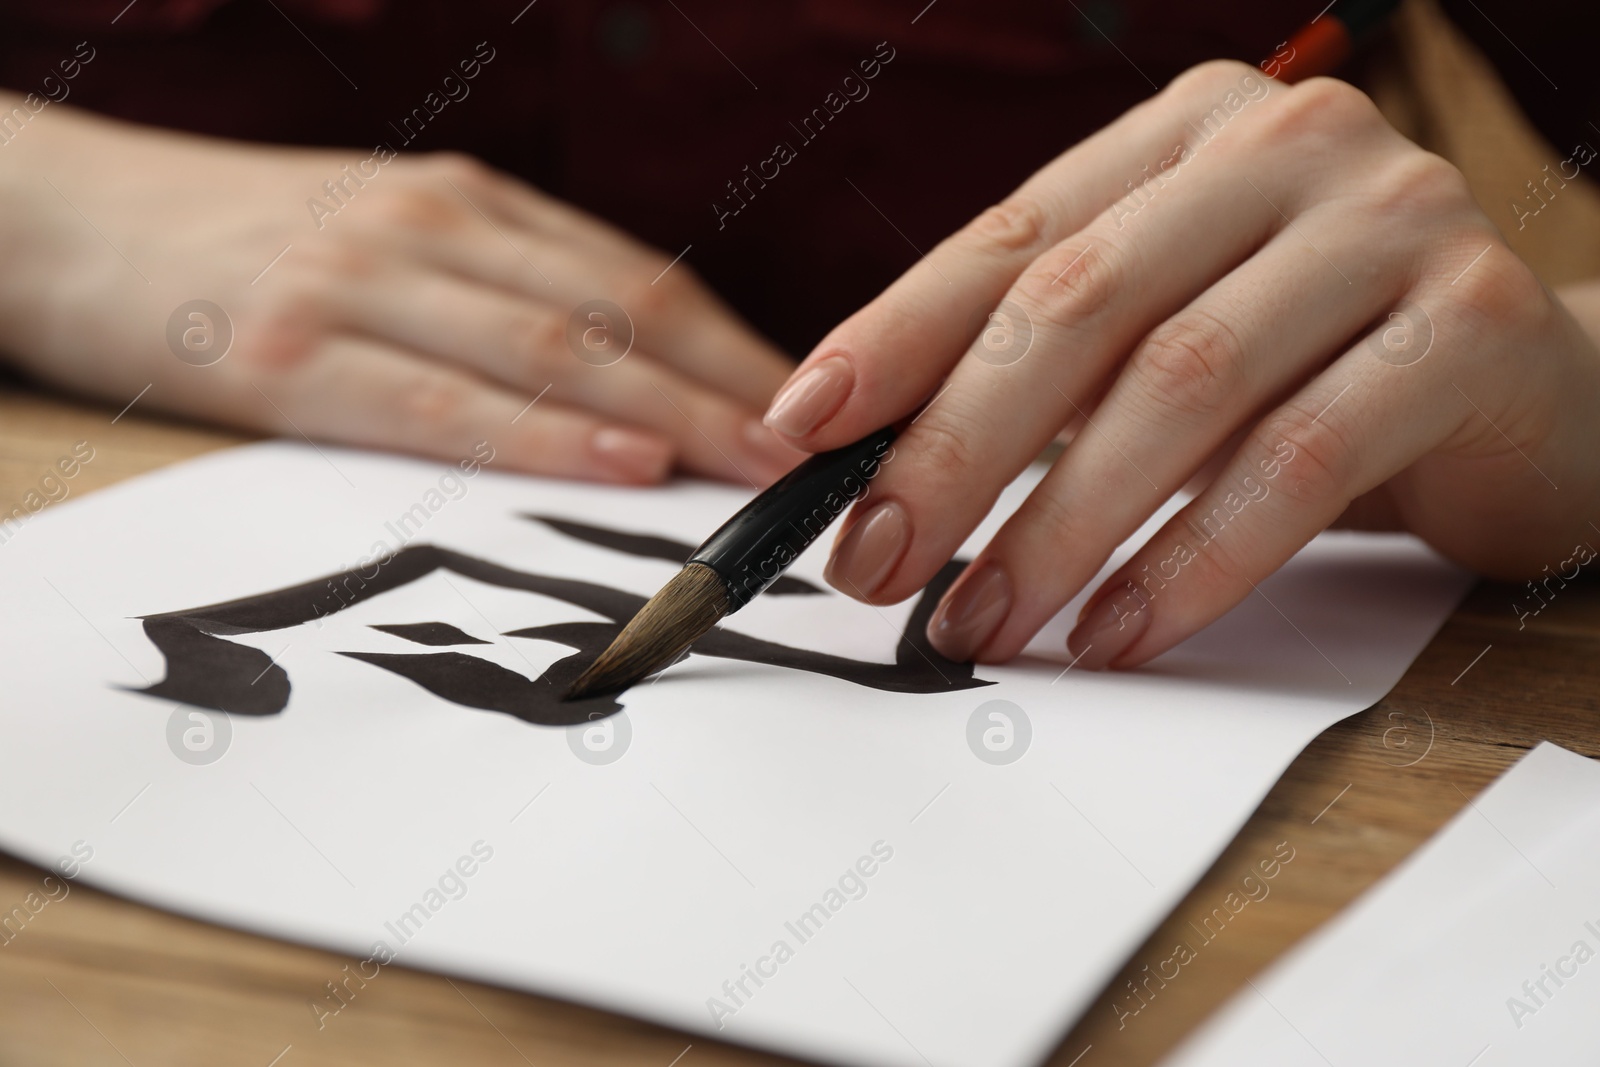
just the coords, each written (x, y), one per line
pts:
(205, 669)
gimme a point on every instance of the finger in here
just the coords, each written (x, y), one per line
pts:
(1353, 428)
(1086, 303)
(1183, 392)
(886, 358)
(714, 436)
(529, 346)
(672, 313)
(691, 329)
(361, 392)
(486, 226)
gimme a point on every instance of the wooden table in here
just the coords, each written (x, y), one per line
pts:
(99, 980)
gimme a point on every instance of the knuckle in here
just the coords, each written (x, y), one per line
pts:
(285, 327)
(1069, 285)
(1016, 224)
(432, 400)
(1214, 561)
(539, 336)
(1332, 101)
(1420, 184)
(942, 448)
(413, 208)
(296, 296)
(463, 170)
(1210, 76)
(652, 293)
(1315, 107)
(1190, 363)
(644, 301)
(1500, 290)
(275, 344)
(1316, 460)
(333, 262)
(1053, 519)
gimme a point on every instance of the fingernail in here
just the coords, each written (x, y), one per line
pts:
(971, 613)
(813, 398)
(862, 562)
(1109, 629)
(775, 457)
(633, 456)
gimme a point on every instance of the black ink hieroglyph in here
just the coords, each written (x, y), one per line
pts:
(207, 670)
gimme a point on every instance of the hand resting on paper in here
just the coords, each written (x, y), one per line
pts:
(423, 314)
(1266, 283)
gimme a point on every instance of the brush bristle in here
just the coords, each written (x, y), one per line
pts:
(675, 618)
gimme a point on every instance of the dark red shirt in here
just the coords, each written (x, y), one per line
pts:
(643, 111)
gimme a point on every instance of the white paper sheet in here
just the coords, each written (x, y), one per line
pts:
(1001, 896)
(1482, 948)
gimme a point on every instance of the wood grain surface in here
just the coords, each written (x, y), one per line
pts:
(94, 979)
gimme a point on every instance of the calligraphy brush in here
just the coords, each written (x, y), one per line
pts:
(736, 563)
(1322, 45)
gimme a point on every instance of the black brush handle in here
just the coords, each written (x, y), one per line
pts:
(757, 545)
(1359, 16)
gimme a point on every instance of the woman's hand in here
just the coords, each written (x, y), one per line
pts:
(422, 304)
(1239, 269)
